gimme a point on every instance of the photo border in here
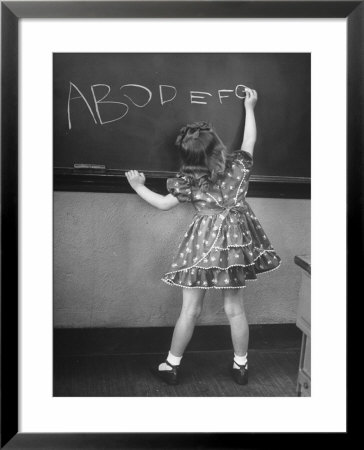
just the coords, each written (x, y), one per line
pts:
(11, 12)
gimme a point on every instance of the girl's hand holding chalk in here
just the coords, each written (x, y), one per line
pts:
(135, 178)
(251, 98)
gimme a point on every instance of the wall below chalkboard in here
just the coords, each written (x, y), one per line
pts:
(110, 251)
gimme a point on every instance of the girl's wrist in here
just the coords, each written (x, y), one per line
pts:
(137, 187)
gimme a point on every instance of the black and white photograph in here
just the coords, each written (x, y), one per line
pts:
(181, 224)
(181, 189)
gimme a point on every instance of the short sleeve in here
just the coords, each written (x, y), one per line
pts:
(244, 157)
(180, 188)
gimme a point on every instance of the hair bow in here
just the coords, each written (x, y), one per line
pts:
(194, 130)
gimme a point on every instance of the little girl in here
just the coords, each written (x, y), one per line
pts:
(224, 245)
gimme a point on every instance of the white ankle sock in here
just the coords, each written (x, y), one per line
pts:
(174, 360)
(242, 360)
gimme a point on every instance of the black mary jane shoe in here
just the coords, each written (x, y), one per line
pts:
(169, 376)
(240, 376)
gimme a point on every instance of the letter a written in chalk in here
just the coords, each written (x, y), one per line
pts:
(81, 96)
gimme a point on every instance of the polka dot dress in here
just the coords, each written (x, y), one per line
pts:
(225, 245)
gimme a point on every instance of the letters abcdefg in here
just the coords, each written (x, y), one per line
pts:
(167, 93)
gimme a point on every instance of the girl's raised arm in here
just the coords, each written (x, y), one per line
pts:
(250, 129)
(137, 180)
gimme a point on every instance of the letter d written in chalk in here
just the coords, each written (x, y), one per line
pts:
(163, 94)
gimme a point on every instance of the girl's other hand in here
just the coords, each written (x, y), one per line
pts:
(135, 178)
(251, 98)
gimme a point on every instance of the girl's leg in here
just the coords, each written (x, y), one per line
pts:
(183, 330)
(191, 310)
(234, 309)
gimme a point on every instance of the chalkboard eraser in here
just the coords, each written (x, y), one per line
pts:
(89, 166)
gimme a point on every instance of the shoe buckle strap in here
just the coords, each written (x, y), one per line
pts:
(240, 365)
(171, 365)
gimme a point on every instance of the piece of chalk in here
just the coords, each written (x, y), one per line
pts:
(89, 166)
(82, 166)
(98, 166)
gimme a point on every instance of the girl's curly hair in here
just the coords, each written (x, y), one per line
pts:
(203, 155)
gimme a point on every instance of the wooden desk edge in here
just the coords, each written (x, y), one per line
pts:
(304, 261)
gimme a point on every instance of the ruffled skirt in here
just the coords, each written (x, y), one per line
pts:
(221, 251)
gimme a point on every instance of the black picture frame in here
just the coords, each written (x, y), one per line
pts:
(11, 12)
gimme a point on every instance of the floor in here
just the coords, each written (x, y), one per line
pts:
(272, 373)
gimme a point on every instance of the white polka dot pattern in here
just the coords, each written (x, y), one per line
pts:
(225, 245)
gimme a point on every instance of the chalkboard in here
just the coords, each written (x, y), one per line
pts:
(122, 111)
